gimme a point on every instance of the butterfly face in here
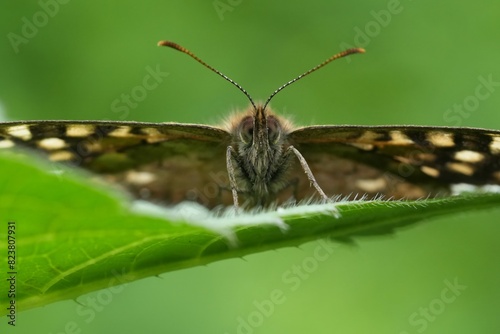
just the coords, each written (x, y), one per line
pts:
(258, 155)
(258, 158)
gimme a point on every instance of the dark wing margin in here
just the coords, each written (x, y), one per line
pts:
(398, 161)
(162, 162)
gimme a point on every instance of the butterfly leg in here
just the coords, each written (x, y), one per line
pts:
(308, 172)
(232, 179)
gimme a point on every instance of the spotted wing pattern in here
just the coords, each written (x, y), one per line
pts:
(161, 162)
(171, 162)
(398, 161)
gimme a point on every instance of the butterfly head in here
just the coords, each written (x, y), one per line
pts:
(258, 138)
(259, 130)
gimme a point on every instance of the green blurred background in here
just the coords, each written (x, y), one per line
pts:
(423, 58)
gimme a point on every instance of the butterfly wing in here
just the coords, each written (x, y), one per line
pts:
(170, 162)
(396, 161)
(161, 162)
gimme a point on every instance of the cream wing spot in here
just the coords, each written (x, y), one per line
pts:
(153, 135)
(495, 145)
(52, 144)
(441, 139)
(369, 136)
(461, 168)
(61, 156)
(430, 171)
(6, 143)
(371, 185)
(79, 130)
(20, 131)
(399, 138)
(140, 178)
(122, 131)
(469, 156)
(151, 132)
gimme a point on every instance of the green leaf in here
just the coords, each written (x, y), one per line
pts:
(73, 236)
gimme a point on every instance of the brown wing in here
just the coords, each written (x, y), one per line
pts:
(396, 161)
(162, 162)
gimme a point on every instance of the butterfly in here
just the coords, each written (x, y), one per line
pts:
(259, 159)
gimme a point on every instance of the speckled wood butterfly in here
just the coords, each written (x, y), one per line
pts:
(258, 158)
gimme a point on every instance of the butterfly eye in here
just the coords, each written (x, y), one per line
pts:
(246, 130)
(273, 130)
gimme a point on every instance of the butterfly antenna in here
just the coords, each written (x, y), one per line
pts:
(192, 55)
(317, 67)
